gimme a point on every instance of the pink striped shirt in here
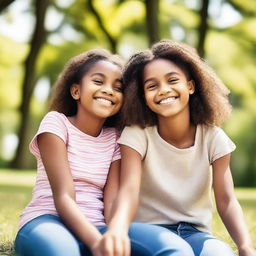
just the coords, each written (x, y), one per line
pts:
(89, 160)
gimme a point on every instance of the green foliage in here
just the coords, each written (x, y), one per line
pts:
(230, 51)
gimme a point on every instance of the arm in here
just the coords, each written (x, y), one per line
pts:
(229, 208)
(111, 188)
(54, 156)
(115, 241)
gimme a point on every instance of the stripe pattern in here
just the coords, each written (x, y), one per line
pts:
(89, 159)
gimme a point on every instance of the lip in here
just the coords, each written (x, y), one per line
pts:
(104, 100)
(168, 100)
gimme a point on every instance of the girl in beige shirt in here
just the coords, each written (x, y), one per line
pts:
(173, 154)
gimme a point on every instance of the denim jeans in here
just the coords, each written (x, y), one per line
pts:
(202, 243)
(47, 235)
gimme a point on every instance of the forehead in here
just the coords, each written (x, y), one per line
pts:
(104, 66)
(158, 67)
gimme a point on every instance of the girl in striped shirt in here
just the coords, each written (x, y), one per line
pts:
(77, 159)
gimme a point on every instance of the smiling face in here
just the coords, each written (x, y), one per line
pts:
(99, 93)
(166, 88)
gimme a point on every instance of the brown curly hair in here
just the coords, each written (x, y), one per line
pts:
(73, 72)
(209, 103)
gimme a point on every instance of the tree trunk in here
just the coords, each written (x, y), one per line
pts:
(203, 27)
(4, 4)
(28, 85)
(152, 10)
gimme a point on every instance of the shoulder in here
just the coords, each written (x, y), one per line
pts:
(213, 132)
(135, 137)
(134, 129)
(218, 142)
(54, 115)
(54, 119)
(111, 132)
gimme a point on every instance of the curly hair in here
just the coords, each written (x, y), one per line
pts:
(73, 72)
(209, 103)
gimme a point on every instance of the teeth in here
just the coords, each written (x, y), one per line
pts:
(168, 100)
(104, 101)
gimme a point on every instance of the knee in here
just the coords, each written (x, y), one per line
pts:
(178, 247)
(216, 248)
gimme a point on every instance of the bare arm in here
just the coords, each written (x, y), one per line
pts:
(54, 155)
(111, 189)
(229, 208)
(115, 241)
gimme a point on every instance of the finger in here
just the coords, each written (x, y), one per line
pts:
(107, 247)
(127, 247)
(118, 247)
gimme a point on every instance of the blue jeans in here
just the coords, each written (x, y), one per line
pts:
(202, 243)
(46, 235)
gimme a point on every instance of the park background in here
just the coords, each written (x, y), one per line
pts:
(37, 37)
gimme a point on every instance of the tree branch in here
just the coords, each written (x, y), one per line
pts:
(111, 40)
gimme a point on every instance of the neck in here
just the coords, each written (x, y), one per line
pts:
(87, 123)
(177, 131)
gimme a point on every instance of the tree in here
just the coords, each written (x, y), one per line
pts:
(203, 27)
(152, 12)
(110, 38)
(37, 41)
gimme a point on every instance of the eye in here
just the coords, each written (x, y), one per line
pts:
(118, 88)
(173, 80)
(151, 86)
(97, 81)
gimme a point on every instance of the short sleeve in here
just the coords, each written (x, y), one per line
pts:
(220, 144)
(135, 138)
(54, 123)
(117, 153)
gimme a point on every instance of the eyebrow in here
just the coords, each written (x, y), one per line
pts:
(168, 74)
(102, 75)
(99, 74)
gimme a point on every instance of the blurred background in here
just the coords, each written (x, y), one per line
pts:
(37, 37)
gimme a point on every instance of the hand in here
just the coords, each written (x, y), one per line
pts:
(112, 244)
(248, 251)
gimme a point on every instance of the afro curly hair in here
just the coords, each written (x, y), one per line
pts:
(209, 103)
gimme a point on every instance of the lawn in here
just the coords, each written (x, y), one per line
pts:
(15, 193)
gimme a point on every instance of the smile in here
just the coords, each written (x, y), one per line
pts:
(105, 101)
(167, 100)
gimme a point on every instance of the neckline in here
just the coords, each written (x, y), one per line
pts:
(174, 147)
(81, 132)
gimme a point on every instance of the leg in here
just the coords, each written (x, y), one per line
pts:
(205, 244)
(153, 240)
(46, 235)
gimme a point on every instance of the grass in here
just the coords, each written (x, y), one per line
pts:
(15, 193)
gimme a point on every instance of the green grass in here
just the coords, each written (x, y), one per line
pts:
(15, 193)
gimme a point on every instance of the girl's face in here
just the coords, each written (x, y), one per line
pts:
(166, 88)
(100, 92)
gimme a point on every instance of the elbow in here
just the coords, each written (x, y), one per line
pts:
(225, 204)
(62, 200)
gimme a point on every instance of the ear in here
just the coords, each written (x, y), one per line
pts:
(191, 86)
(75, 91)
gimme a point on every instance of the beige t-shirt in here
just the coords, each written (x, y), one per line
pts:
(176, 183)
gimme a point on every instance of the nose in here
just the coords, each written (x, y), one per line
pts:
(107, 89)
(164, 89)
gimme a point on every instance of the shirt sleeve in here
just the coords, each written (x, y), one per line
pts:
(54, 123)
(220, 145)
(135, 138)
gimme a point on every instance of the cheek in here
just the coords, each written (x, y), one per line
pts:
(148, 98)
(121, 102)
